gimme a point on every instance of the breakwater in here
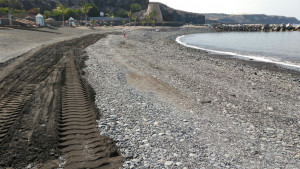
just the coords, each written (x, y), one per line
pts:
(255, 27)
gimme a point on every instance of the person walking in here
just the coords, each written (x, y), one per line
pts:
(124, 34)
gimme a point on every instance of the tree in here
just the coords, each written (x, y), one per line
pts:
(94, 11)
(153, 15)
(71, 13)
(11, 4)
(85, 8)
(65, 11)
(129, 14)
(147, 17)
(153, 22)
(78, 13)
(121, 13)
(3, 11)
(47, 14)
(143, 22)
(111, 15)
(134, 7)
(61, 10)
(56, 12)
(135, 19)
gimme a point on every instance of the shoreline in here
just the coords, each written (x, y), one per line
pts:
(250, 58)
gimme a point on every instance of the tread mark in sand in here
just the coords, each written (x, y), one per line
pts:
(80, 141)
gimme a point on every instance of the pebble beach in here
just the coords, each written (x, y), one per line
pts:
(169, 106)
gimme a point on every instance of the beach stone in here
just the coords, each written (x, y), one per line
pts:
(178, 163)
(297, 156)
(158, 129)
(192, 155)
(167, 163)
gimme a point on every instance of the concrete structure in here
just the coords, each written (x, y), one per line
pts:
(72, 22)
(39, 19)
(155, 7)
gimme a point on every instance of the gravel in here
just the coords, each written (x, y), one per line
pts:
(168, 106)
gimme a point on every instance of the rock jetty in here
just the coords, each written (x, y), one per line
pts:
(255, 28)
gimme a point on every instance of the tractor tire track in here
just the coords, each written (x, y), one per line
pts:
(80, 141)
(48, 111)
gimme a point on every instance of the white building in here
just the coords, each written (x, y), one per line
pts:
(39, 19)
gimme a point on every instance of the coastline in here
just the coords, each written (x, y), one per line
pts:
(168, 105)
(252, 58)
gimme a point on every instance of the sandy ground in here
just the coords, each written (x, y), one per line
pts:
(14, 42)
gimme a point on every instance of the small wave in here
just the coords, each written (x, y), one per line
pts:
(241, 56)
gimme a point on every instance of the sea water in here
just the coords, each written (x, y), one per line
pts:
(281, 48)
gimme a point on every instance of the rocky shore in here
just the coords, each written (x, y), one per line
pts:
(169, 106)
(255, 27)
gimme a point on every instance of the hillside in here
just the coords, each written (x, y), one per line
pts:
(169, 14)
(114, 5)
(249, 19)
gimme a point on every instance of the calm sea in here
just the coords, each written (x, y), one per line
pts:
(282, 48)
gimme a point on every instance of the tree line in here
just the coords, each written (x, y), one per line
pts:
(61, 12)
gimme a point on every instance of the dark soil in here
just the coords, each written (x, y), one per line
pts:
(32, 128)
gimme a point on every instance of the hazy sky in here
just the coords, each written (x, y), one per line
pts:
(269, 7)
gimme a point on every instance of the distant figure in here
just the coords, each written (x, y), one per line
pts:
(124, 34)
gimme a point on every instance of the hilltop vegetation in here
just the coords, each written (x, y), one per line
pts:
(103, 5)
(71, 8)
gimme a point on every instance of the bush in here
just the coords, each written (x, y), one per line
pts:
(121, 13)
(135, 7)
(3, 11)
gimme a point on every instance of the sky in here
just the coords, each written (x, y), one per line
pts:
(290, 8)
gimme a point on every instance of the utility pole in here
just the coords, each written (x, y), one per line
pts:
(10, 4)
(9, 17)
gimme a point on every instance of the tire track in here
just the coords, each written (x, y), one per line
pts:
(80, 141)
(46, 111)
